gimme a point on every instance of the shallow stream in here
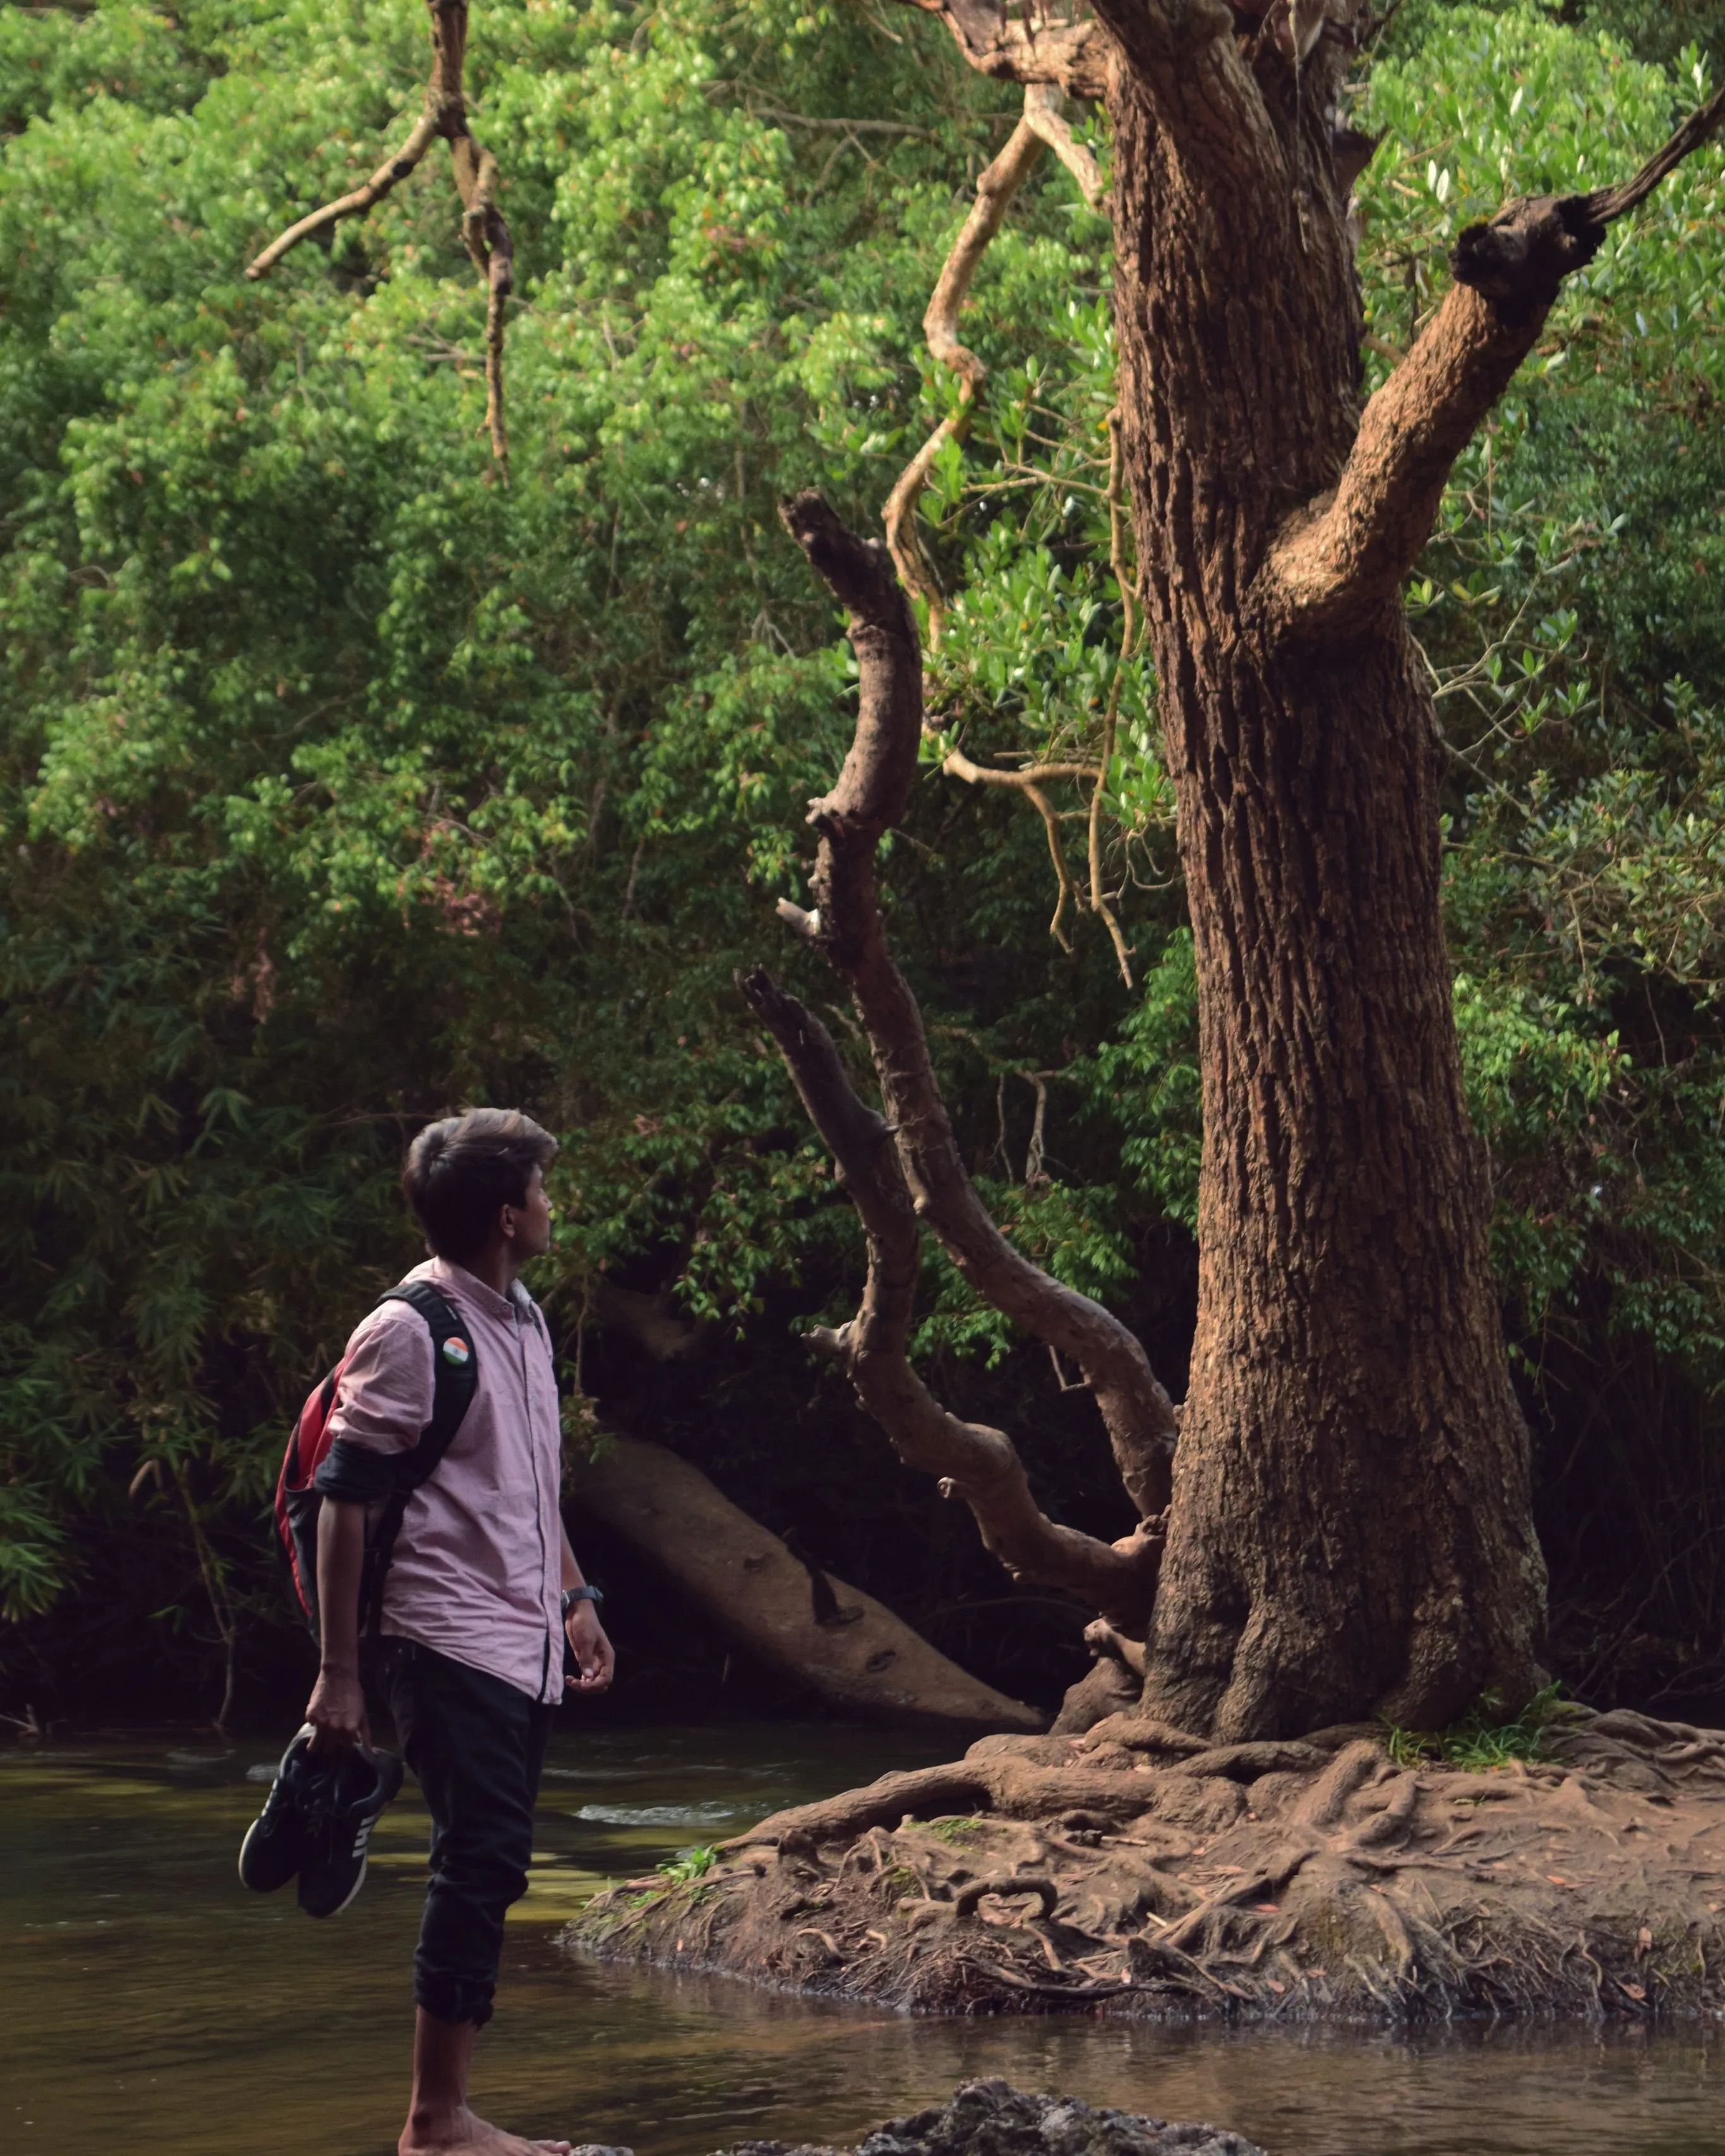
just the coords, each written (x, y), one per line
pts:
(149, 2005)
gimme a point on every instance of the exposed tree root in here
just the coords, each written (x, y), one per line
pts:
(1136, 1870)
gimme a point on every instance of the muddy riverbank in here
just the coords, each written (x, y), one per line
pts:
(1134, 1871)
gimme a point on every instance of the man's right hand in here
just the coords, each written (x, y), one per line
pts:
(336, 1710)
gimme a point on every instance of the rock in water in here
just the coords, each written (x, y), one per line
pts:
(988, 2118)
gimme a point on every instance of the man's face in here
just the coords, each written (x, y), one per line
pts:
(532, 1219)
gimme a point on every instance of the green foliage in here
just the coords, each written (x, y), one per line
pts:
(339, 784)
(1479, 1741)
(689, 1864)
(954, 1831)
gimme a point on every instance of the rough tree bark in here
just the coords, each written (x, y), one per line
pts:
(1351, 1531)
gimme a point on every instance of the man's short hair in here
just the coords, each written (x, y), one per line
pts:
(461, 1171)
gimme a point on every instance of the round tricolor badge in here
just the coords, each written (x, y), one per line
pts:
(457, 1352)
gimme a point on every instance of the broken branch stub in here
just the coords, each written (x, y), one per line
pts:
(484, 231)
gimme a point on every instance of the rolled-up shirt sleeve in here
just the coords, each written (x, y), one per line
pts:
(381, 1407)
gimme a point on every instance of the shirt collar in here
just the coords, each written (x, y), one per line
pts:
(449, 1275)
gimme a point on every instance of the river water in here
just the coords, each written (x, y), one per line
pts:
(149, 2005)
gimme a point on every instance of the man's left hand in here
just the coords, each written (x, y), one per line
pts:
(594, 1654)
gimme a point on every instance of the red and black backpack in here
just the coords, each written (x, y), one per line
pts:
(298, 1503)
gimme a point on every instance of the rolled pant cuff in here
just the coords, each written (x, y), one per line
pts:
(454, 2003)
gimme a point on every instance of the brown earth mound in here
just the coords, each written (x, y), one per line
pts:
(1135, 1870)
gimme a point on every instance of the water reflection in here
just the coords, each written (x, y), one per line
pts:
(148, 2003)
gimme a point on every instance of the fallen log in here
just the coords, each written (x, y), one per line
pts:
(849, 1650)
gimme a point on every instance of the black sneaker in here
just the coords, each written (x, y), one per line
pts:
(274, 1844)
(341, 1804)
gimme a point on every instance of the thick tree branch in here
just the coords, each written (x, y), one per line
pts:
(973, 1461)
(871, 795)
(1340, 562)
(482, 228)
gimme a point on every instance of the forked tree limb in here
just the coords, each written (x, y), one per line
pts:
(1342, 560)
(971, 1460)
(483, 229)
(1183, 53)
(389, 176)
(1199, 62)
(871, 795)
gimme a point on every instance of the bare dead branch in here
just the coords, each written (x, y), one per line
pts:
(1044, 117)
(870, 796)
(1606, 205)
(972, 1460)
(1032, 775)
(1344, 558)
(387, 175)
(492, 254)
(1029, 782)
(482, 228)
(1129, 637)
(996, 187)
(1041, 127)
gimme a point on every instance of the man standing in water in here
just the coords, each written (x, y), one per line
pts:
(481, 1591)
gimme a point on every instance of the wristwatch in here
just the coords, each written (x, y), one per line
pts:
(572, 1595)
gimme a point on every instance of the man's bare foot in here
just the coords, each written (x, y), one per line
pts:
(463, 2133)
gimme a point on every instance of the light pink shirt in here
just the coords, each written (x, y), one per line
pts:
(477, 1571)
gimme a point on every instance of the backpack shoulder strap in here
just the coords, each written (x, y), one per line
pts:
(456, 1365)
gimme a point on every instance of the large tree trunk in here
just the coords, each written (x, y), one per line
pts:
(1351, 1528)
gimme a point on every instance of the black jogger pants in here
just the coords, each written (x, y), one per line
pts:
(476, 1745)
